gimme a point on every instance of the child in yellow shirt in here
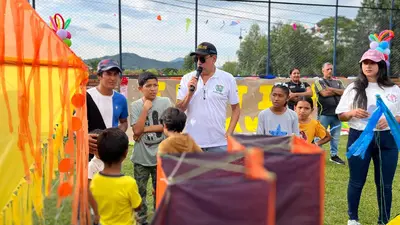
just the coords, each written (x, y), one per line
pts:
(116, 195)
(310, 128)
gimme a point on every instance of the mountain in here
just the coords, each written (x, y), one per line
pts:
(178, 60)
(134, 61)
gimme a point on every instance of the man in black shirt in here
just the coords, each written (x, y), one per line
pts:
(329, 92)
(297, 88)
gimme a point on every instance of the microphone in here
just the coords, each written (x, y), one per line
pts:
(199, 70)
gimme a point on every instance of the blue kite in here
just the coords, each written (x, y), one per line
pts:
(360, 146)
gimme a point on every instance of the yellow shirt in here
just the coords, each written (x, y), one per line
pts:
(309, 131)
(116, 197)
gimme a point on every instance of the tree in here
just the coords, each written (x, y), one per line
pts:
(188, 63)
(153, 71)
(346, 28)
(169, 71)
(252, 52)
(93, 64)
(294, 48)
(231, 67)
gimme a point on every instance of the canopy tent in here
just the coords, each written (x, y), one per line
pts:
(42, 83)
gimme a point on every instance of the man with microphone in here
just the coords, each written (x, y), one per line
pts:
(204, 95)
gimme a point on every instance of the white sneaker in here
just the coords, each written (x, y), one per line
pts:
(353, 222)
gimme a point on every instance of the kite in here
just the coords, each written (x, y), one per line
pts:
(360, 146)
(188, 21)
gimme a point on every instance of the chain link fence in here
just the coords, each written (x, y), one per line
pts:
(157, 35)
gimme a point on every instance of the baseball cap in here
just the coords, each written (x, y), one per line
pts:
(107, 64)
(205, 48)
(373, 55)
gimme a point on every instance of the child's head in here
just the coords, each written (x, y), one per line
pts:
(279, 95)
(173, 120)
(112, 146)
(304, 107)
(148, 85)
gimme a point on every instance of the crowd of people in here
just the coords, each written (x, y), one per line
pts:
(196, 123)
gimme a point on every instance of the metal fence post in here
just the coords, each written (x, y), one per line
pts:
(120, 33)
(195, 21)
(268, 71)
(390, 28)
(335, 38)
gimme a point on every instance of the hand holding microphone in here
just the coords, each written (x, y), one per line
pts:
(193, 82)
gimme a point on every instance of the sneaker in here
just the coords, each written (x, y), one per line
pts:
(337, 160)
(353, 222)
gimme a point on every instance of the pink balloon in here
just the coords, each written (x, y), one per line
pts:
(68, 35)
(294, 26)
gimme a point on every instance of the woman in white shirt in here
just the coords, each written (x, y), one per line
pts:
(356, 106)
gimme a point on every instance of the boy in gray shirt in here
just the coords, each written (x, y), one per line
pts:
(148, 133)
(278, 120)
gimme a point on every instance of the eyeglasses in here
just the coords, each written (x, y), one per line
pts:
(201, 58)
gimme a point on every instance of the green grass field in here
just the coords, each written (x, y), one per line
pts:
(335, 196)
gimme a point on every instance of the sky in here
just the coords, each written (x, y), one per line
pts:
(94, 24)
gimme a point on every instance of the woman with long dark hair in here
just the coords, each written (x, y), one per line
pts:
(356, 105)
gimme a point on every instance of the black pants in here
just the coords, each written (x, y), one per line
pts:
(383, 152)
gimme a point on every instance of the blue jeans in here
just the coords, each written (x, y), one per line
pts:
(215, 149)
(332, 122)
(388, 155)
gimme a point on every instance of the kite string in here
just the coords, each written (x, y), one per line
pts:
(381, 187)
(170, 177)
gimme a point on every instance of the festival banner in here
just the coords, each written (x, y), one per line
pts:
(253, 97)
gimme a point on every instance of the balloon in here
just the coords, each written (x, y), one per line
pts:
(62, 33)
(68, 35)
(389, 33)
(67, 23)
(386, 57)
(387, 63)
(78, 100)
(59, 17)
(67, 42)
(65, 165)
(372, 37)
(384, 44)
(374, 45)
(64, 190)
(54, 26)
(386, 51)
(58, 22)
(379, 49)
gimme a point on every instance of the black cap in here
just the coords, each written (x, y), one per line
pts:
(205, 48)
